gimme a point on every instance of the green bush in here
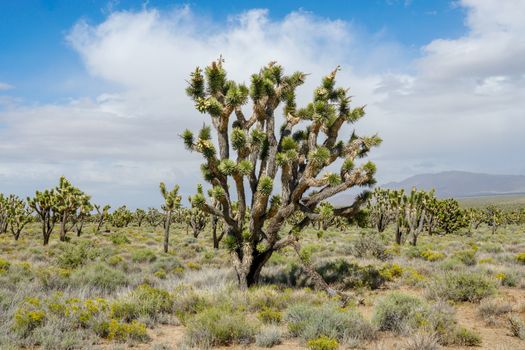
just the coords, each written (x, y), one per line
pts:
(268, 337)
(218, 326)
(4, 265)
(142, 301)
(119, 238)
(28, 316)
(462, 286)
(310, 322)
(517, 326)
(269, 315)
(520, 258)
(74, 256)
(122, 332)
(430, 255)
(465, 337)
(323, 343)
(467, 257)
(143, 255)
(400, 313)
(99, 275)
(350, 275)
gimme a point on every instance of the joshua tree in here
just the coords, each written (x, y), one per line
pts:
(121, 217)
(19, 215)
(4, 213)
(380, 208)
(450, 217)
(83, 214)
(294, 154)
(171, 203)
(154, 217)
(415, 207)
(494, 217)
(44, 204)
(102, 216)
(140, 216)
(475, 217)
(69, 200)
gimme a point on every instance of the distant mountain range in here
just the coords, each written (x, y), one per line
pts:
(463, 184)
(456, 184)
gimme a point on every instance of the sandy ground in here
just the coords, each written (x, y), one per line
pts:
(494, 338)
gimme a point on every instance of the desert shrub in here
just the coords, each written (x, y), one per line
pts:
(268, 297)
(168, 264)
(370, 246)
(74, 256)
(430, 255)
(466, 337)
(486, 261)
(412, 277)
(467, 257)
(323, 343)
(99, 275)
(143, 255)
(462, 286)
(114, 260)
(119, 238)
(508, 279)
(53, 277)
(399, 313)
(517, 326)
(310, 322)
(218, 326)
(491, 310)
(422, 341)
(4, 265)
(142, 301)
(269, 315)
(268, 337)
(391, 272)
(122, 332)
(520, 258)
(441, 322)
(351, 275)
(28, 316)
(190, 303)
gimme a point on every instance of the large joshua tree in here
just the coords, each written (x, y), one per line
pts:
(293, 154)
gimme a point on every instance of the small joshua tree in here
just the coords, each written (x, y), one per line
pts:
(171, 203)
(44, 204)
(83, 215)
(415, 208)
(139, 216)
(154, 218)
(102, 216)
(475, 217)
(194, 217)
(19, 215)
(4, 213)
(380, 208)
(450, 216)
(69, 200)
(494, 217)
(294, 154)
(121, 217)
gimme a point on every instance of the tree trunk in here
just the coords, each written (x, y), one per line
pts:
(167, 231)
(63, 228)
(398, 235)
(414, 239)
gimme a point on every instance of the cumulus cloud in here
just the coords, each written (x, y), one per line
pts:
(458, 105)
(5, 86)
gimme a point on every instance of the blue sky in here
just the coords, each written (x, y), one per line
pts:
(94, 90)
(34, 51)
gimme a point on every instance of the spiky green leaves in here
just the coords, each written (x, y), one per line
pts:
(319, 157)
(227, 167)
(245, 167)
(215, 77)
(187, 137)
(210, 105)
(237, 95)
(171, 198)
(196, 85)
(239, 139)
(332, 179)
(265, 185)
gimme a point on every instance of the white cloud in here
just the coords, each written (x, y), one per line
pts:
(5, 86)
(459, 105)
